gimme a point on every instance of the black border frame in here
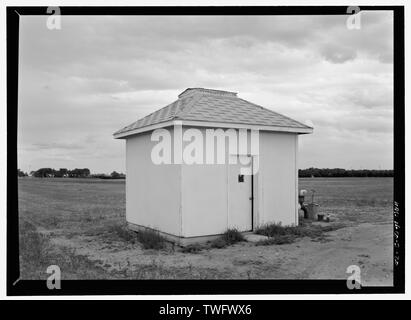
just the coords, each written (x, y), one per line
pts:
(17, 287)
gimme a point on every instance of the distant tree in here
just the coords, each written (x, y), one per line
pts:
(21, 173)
(338, 172)
(61, 173)
(44, 173)
(79, 173)
(115, 175)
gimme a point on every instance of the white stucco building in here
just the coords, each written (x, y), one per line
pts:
(182, 183)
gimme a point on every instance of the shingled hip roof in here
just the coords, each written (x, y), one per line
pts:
(214, 108)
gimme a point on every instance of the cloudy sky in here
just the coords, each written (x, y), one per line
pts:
(79, 84)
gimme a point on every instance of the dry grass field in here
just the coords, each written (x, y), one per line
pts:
(79, 224)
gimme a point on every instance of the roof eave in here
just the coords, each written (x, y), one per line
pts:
(123, 135)
(297, 130)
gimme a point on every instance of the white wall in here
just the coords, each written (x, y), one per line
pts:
(204, 196)
(277, 184)
(152, 191)
(204, 199)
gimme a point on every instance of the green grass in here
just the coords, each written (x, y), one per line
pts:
(123, 233)
(192, 248)
(279, 234)
(352, 199)
(229, 237)
(151, 239)
(37, 253)
(278, 239)
(232, 236)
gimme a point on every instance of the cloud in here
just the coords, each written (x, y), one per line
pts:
(56, 145)
(338, 54)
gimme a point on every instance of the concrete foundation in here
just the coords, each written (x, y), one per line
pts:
(185, 241)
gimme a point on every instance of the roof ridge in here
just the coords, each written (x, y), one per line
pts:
(192, 91)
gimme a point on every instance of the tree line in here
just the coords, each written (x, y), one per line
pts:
(338, 172)
(61, 173)
(302, 173)
(65, 173)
